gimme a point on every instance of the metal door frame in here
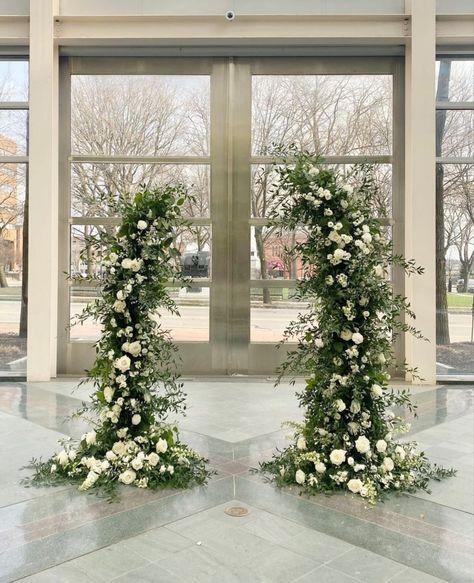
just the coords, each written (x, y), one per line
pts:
(229, 349)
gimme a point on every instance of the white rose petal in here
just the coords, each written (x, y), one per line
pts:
(122, 363)
(381, 445)
(300, 477)
(357, 338)
(301, 443)
(340, 405)
(62, 458)
(337, 456)
(127, 477)
(388, 464)
(355, 485)
(320, 467)
(362, 444)
(91, 438)
(161, 445)
(136, 419)
(346, 334)
(153, 459)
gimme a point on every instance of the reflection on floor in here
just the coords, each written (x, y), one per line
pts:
(61, 535)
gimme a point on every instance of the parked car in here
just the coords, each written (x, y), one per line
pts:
(470, 286)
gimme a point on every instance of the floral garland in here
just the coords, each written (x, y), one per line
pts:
(347, 441)
(133, 374)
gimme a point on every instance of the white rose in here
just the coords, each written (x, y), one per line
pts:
(136, 264)
(313, 171)
(119, 306)
(381, 445)
(337, 456)
(359, 467)
(122, 363)
(339, 254)
(142, 225)
(362, 444)
(401, 453)
(320, 467)
(91, 438)
(126, 263)
(346, 334)
(127, 477)
(388, 464)
(113, 257)
(349, 189)
(137, 464)
(367, 238)
(355, 406)
(62, 458)
(378, 269)
(134, 348)
(110, 456)
(153, 459)
(119, 448)
(300, 477)
(161, 446)
(319, 343)
(377, 391)
(354, 485)
(357, 338)
(170, 469)
(340, 405)
(136, 419)
(301, 443)
(108, 394)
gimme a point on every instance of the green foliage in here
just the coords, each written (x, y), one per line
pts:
(344, 343)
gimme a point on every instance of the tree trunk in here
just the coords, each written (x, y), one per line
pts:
(442, 321)
(3, 277)
(24, 269)
(263, 262)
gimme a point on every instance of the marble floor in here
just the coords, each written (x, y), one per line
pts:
(61, 535)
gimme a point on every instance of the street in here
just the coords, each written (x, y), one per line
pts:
(267, 324)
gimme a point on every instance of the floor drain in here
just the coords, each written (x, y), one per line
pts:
(236, 511)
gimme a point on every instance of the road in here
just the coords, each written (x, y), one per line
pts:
(267, 324)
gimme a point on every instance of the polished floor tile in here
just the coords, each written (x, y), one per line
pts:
(61, 535)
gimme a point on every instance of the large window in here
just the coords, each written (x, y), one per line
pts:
(213, 124)
(13, 208)
(129, 131)
(455, 217)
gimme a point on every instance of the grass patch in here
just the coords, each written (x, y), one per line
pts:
(459, 300)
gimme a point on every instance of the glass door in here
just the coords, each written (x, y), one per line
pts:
(212, 124)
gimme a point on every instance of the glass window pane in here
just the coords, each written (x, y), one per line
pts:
(327, 114)
(13, 315)
(456, 82)
(194, 244)
(13, 80)
(13, 128)
(95, 187)
(265, 181)
(455, 274)
(271, 311)
(140, 115)
(192, 325)
(272, 254)
(455, 133)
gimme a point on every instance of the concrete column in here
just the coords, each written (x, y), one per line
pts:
(420, 182)
(43, 193)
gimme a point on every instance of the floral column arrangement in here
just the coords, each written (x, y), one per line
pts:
(136, 386)
(347, 441)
